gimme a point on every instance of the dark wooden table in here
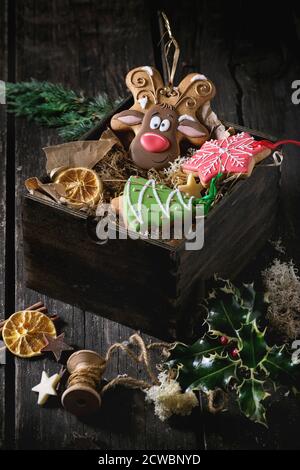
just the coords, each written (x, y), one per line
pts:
(252, 54)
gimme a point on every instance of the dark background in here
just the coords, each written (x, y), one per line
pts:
(251, 51)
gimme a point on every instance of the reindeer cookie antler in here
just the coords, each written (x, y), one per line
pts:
(146, 85)
(164, 115)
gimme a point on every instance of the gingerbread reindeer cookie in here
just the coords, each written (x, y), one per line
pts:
(163, 116)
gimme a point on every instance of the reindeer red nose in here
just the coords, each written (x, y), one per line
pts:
(154, 142)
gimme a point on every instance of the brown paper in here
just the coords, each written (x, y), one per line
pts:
(80, 153)
(70, 155)
(52, 191)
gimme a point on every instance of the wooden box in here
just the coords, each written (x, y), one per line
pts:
(149, 285)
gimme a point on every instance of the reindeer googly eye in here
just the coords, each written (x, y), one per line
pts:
(155, 122)
(165, 125)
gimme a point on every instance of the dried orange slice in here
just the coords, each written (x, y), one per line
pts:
(82, 186)
(23, 333)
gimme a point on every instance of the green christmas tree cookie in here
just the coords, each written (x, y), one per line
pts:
(147, 203)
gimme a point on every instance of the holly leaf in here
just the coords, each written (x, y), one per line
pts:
(202, 347)
(252, 345)
(251, 394)
(225, 315)
(246, 295)
(254, 302)
(207, 373)
(224, 285)
(186, 359)
(281, 369)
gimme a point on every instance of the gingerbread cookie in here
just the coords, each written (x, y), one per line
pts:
(161, 117)
(234, 155)
(147, 203)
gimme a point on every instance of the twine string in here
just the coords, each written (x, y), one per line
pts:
(141, 358)
(91, 375)
(171, 69)
(127, 381)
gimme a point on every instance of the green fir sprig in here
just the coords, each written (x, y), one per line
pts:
(53, 105)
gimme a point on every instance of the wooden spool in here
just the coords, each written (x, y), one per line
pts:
(81, 399)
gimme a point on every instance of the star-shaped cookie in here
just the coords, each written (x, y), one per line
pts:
(191, 188)
(46, 387)
(56, 345)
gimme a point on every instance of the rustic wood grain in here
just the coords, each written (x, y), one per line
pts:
(80, 44)
(253, 68)
(148, 265)
(227, 260)
(204, 40)
(3, 76)
(87, 44)
(42, 40)
(265, 81)
(147, 268)
(124, 32)
(200, 28)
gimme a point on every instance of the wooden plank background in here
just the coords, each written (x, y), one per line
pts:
(90, 45)
(3, 136)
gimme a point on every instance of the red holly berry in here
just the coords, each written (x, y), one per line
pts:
(234, 353)
(223, 340)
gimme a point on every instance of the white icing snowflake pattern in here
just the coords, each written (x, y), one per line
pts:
(231, 155)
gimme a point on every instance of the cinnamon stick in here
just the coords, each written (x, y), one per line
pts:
(35, 306)
(53, 317)
(38, 306)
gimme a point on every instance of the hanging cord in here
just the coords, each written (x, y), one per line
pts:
(88, 371)
(277, 160)
(275, 145)
(141, 358)
(277, 155)
(171, 69)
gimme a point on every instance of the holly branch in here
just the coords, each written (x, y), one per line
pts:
(234, 354)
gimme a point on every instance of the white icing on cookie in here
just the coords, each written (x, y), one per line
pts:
(186, 116)
(143, 102)
(148, 70)
(199, 76)
(165, 209)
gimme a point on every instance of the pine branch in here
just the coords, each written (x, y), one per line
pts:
(52, 105)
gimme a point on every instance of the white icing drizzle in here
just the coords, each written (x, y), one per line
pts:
(165, 209)
(148, 70)
(143, 102)
(186, 116)
(199, 76)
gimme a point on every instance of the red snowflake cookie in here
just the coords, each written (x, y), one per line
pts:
(235, 155)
